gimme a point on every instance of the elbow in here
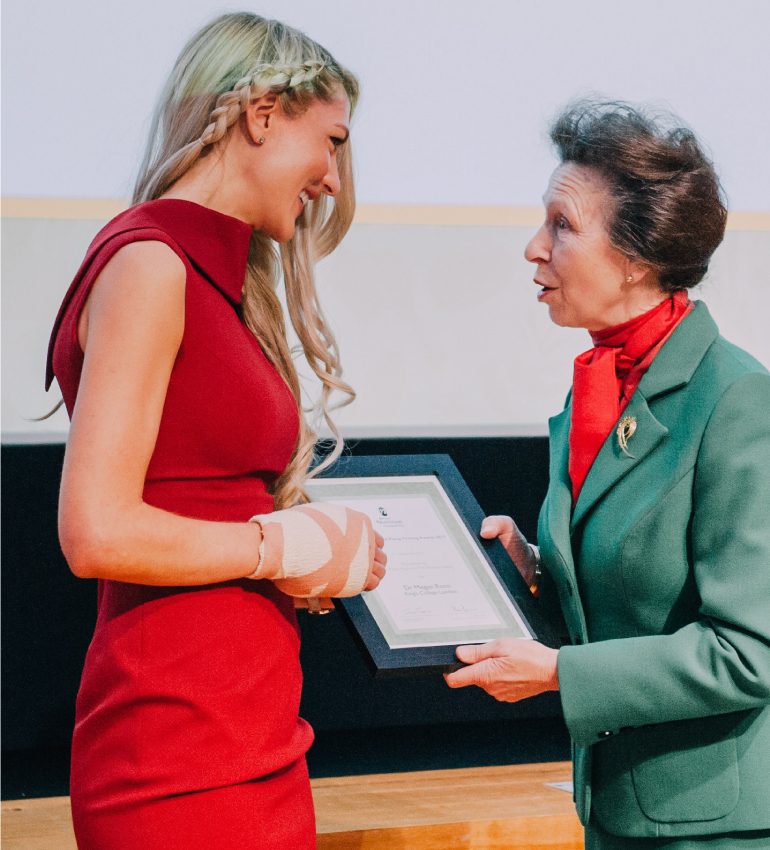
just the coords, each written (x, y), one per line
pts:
(81, 555)
(81, 567)
(80, 570)
(86, 548)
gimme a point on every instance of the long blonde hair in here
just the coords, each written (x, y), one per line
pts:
(230, 61)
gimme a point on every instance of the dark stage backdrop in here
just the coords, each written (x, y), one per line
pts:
(48, 617)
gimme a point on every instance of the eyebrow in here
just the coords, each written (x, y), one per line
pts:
(565, 201)
(573, 212)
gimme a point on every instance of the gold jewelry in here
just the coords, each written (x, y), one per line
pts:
(260, 551)
(625, 430)
(261, 140)
(314, 606)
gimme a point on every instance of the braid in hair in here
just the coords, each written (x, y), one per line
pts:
(264, 79)
(234, 59)
(226, 112)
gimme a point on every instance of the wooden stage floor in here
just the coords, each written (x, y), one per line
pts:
(482, 808)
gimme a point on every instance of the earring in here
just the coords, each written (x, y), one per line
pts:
(261, 140)
(629, 278)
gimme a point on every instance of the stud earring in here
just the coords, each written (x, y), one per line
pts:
(629, 278)
(261, 140)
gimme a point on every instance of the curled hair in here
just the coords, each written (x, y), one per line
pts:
(669, 208)
(235, 58)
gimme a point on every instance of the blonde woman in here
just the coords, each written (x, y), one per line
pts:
(171, 353)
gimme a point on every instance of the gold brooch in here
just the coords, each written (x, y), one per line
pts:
(626, 429)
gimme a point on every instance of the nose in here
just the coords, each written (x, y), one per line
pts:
(331, 181)
(538, 248)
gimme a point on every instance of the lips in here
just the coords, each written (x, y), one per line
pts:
(545, 289)
(307, 195)
(302, 199)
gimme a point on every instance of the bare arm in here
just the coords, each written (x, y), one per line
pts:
(130, 331)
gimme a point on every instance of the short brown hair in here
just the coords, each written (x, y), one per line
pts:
(669, 205)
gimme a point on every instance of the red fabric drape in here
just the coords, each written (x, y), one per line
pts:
(607, 375)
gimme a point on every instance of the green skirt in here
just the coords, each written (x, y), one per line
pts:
(598, 839)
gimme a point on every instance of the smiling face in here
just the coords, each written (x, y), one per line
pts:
(584, 279)
(296, 163)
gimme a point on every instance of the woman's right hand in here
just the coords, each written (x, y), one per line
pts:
(323, 549)
(520, 552)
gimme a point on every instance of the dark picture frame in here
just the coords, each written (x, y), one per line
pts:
(381, 657)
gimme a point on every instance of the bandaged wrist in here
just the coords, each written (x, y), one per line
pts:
(316, 550)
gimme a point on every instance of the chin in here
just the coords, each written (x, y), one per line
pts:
(557, 318)
(564, 320)
(282, 234)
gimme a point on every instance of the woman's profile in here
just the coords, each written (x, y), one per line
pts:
(653, 537)
(171, 353)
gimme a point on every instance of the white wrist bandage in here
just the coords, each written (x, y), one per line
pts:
(320, 549)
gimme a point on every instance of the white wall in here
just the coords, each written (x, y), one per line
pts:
(456, 95)
(438, 325)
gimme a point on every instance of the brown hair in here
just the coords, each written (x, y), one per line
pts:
(669, 205)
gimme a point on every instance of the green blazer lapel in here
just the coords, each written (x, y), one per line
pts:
(677, 361)
(671, 369)
(612, 463)
(559, 502)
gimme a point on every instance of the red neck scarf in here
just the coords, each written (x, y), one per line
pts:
(607, 375)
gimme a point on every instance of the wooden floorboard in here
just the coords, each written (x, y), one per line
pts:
(43, 824)
(486, 808)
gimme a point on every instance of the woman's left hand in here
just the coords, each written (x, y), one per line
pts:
(509, 669)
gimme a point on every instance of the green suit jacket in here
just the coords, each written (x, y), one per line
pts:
(662, 573)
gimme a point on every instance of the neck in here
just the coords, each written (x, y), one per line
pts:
(644, 301)
(214, 182)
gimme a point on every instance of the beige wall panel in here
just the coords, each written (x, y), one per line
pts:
(40, 257)
(439, 326)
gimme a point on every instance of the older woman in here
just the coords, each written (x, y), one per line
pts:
(654, 539)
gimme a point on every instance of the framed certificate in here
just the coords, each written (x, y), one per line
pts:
(444, 586)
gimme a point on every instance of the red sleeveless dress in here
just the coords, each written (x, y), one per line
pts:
(187, 731)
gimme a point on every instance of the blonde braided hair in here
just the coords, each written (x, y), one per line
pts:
(264, 79)
(235, 58)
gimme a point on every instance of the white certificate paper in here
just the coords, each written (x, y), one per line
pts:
(439, 589)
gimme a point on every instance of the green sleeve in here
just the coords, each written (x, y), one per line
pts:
(721, 662)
